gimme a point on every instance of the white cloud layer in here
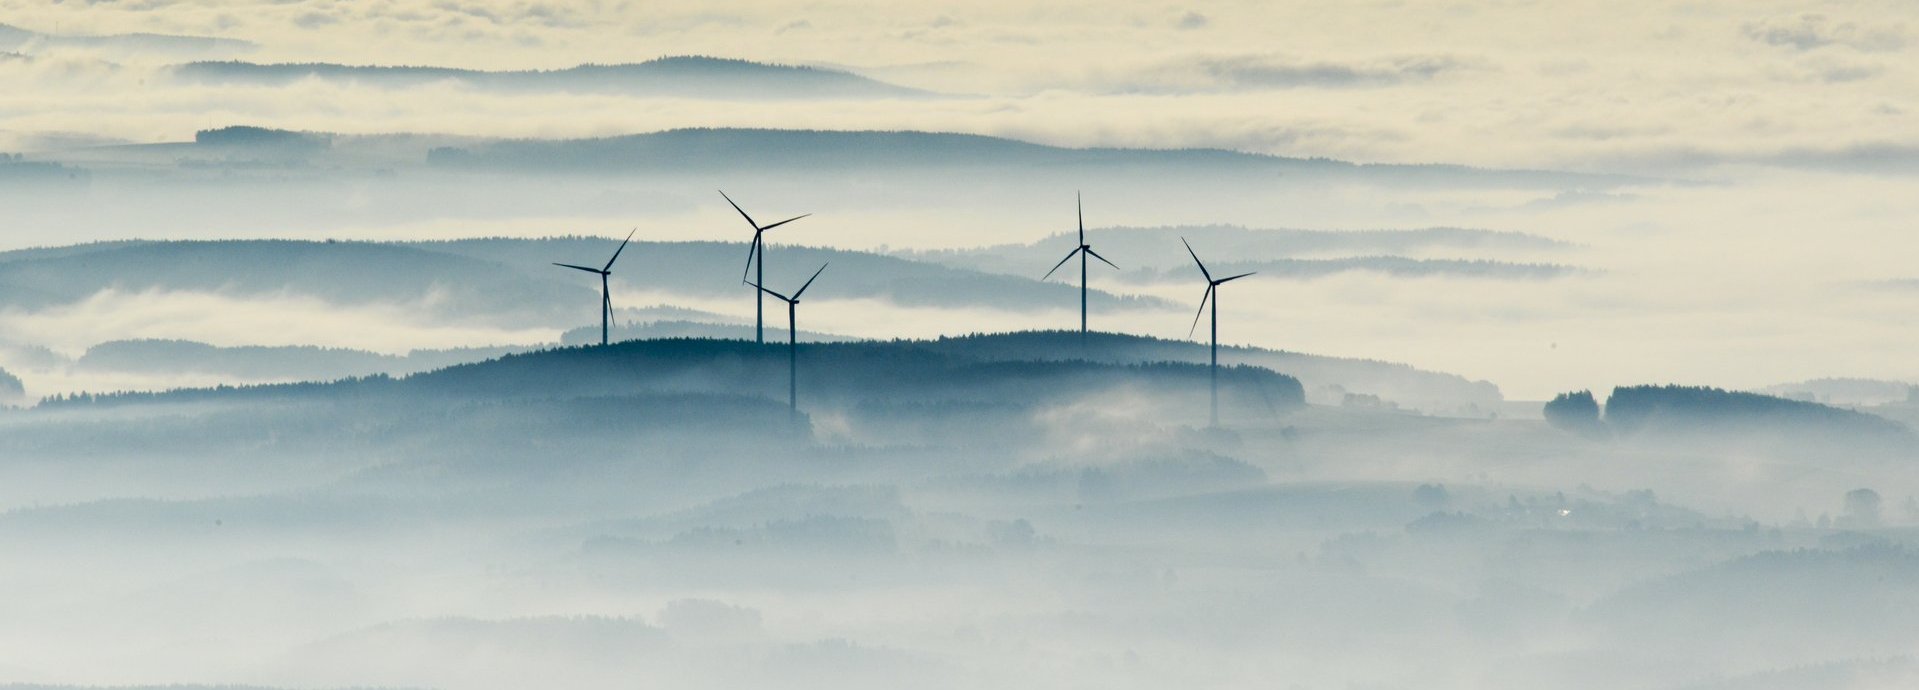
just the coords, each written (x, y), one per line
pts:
(1564, 84)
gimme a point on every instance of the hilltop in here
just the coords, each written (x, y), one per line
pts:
(697, 391)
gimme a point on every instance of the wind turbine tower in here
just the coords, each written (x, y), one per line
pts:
(606, 291)
(1083, 250)
(793, 338)
(756, 265)
(1212, 294)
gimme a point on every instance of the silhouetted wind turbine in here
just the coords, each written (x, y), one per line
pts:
(606, 292)
(793, 338)
(1083, 250)
(1212, 293)
(757, 268)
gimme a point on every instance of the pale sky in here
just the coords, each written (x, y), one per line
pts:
(1569, 84)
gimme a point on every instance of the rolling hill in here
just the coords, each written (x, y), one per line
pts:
(690, 395)
(847, 373)
(1325, 380)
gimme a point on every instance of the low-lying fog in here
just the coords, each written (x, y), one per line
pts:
(1082, 530)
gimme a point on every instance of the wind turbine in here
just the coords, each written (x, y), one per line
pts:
(757, 268)
(793, 338)
(1212, 293)
(1083, 250)
(606, 293)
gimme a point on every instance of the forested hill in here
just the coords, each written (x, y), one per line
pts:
(1675, 409)
(851, 372)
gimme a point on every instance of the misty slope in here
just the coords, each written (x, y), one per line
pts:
(675, 76)
(1301, 251)
(505, 279)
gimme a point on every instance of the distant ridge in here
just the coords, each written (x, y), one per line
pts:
(684, 76)
(733, 151)
(709, 149)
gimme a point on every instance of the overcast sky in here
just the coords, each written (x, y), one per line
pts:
(1570, 83)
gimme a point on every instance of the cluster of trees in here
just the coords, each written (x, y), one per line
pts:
(1693, 408)
(242, 135)
(10, 387)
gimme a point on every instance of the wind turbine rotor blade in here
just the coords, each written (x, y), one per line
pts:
(1202, 310)
(616, 252)
(783, 222)
(736, 207)
(594, 271)
(606, 302)
(809, 283)
(1202, 264)
(1062, 262)
(1079, 205)
(751, 250)
(1101, 258)
(770, 292)
(1223, 281)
